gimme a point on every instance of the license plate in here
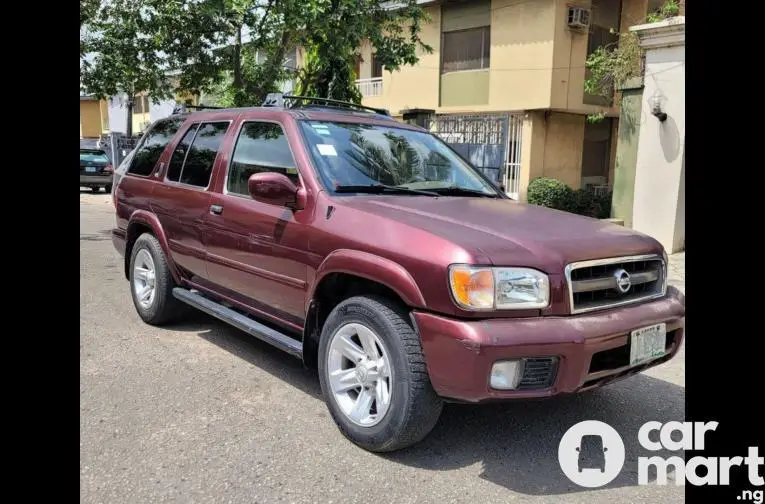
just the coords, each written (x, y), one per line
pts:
(90, 169)
(647, 343)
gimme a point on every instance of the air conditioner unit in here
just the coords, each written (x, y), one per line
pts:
(578, 18)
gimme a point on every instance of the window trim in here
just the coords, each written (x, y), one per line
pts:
(483, 30)
(225, 190)
(183, 166)
(142, 141)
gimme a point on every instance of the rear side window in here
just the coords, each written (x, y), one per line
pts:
(154, 143)
(261, 147)
(179, 155)
(203, 146)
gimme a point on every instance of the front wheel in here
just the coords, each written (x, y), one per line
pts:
(373, 375)
(95, 189)
(108, 188)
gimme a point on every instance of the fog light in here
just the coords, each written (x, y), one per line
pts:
(506, 375)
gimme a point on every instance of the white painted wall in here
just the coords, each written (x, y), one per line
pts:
(117, 114)
(659, 203)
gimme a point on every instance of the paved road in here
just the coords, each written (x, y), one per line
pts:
(200, 412)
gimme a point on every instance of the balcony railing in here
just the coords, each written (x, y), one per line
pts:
(370, 87)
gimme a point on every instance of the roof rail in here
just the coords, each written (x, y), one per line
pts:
(278, 100)
(181, 109)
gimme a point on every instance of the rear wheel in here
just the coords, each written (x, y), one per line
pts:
(373, 376)
(95, 189)
(151, 284)
(108, 188)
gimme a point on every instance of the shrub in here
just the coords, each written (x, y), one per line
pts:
(553, 193)
(550, 193)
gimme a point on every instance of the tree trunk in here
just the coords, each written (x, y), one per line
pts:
(129, 106)
(238, 59)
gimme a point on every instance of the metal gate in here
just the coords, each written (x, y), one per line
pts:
(491, 142)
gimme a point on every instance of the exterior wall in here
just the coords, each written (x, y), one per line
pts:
(93, 118)
(412, 86)
(658, 208)
(563, 148)
(552, 147)
(520, 70)
(626, 151)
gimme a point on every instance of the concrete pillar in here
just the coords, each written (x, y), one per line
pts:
(659, 199)
(534, 136)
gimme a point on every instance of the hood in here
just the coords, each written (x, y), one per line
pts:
(510, 233)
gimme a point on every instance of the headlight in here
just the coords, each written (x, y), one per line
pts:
(482, 288)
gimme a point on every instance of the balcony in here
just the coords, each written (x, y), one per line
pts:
(370, 87)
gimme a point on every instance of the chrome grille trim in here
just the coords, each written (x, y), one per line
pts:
(605, 283)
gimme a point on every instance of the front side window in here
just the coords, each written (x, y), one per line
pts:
(363, 155)
(261, 147)
(145, 157)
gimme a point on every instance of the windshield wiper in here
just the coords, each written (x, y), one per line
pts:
(462, 191)
(380, 188)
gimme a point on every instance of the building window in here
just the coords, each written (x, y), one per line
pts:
(466, 49)
(141, 104)
(377, 67)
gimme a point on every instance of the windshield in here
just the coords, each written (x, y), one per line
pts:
(356, 155)
(93, 157)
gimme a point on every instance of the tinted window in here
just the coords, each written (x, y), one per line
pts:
(155, 141)
(179, 155)
(202, 153)
(348, 154)
(261, 147)
(93, 157)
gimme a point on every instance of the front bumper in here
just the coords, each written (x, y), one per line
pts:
(459, 354)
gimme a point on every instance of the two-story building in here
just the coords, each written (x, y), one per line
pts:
(504, 85)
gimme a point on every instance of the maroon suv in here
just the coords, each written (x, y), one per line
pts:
(372, 251)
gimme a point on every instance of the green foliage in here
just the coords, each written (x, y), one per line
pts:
(549, 192)
(234, 51)
(335, 33)
(553, 193)
(611, 65)
(126, 56)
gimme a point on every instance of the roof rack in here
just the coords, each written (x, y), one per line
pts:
(278, 100)
(181, 109)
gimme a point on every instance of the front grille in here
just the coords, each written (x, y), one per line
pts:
(538, 373)
(605, 283)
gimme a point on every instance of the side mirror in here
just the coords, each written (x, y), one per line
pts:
(276, 189)
(605, 449)
(577, 448)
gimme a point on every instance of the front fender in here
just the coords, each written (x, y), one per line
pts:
(372, 267)
(144, 218)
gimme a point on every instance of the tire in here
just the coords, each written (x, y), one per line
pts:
(95, 189)
(413, 407)
(108, 188)
(160, 307)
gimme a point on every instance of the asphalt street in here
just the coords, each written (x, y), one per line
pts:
(200, 412)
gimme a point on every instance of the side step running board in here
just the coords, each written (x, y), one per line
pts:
(236, 319)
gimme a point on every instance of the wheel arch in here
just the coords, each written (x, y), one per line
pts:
(146, 222)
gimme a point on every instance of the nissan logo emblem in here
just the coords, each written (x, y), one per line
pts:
(623, 282)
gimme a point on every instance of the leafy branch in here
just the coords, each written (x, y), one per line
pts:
(611, 65)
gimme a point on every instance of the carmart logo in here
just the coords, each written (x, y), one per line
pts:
(591, 454)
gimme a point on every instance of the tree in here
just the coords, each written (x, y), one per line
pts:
(123, 52)
(336, 31)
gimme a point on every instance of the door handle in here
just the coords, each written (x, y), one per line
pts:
(216, 209)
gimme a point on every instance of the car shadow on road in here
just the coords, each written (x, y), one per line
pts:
(516, 443)
(251, 349)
